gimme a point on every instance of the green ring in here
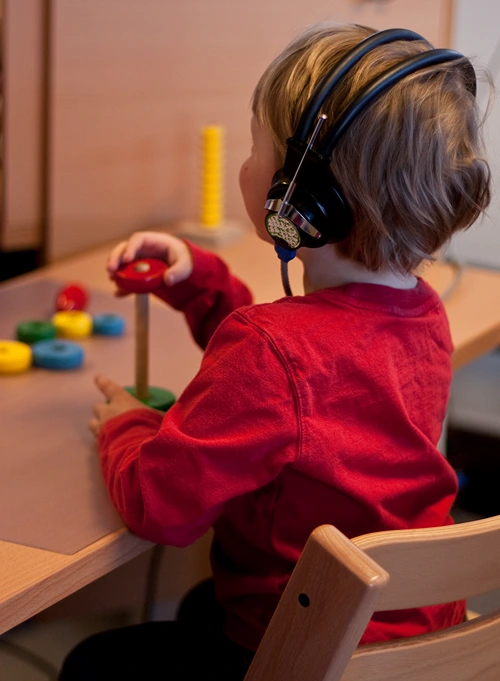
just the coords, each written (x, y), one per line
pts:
(32, 331)
(158, 398)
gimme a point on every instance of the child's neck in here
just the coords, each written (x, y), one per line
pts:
(323, 268)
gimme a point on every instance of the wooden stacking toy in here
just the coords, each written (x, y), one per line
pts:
(211, 228)
(50, 343)
(39, 337)
(15, 357)
(73, 324)
(211, 196)
(109, 324)
(72, 297)
(33, 330)
(142, 277)
(57, 354)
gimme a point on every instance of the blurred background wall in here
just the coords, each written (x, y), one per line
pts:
(105, 101)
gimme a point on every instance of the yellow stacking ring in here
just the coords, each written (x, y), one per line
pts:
(73, 324)
(15, 357)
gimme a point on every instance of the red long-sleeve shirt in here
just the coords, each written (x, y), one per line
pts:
(323, 408)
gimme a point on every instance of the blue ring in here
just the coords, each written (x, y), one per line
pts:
(57, 354)
(109, 324)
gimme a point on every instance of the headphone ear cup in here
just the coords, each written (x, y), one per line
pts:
(329, 196)
(323, 206)
(279, 185)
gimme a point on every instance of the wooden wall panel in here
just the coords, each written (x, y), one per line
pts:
(134, 82)
(22, 77)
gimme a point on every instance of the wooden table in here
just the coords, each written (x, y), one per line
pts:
(34, 579)
(472, 309)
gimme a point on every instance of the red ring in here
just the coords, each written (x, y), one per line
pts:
(72, 297)
(133, 277)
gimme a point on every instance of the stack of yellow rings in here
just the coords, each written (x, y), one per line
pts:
(73, 324)
(15, 357)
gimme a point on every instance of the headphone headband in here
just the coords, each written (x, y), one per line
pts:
(378, 86)
(326, 85)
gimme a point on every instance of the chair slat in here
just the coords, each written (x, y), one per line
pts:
(442, 564)
(467, 652)
(342, 586)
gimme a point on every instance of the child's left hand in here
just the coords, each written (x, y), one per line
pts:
(118, 401)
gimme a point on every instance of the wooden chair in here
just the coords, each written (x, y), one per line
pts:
(337, 585)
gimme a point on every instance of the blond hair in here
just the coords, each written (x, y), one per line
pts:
(410, 165)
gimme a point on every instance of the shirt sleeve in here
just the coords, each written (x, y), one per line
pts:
(231, 432)
(207, 296)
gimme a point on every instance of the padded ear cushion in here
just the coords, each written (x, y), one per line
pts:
(320, 202)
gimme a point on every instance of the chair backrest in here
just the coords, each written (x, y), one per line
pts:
(338, 584)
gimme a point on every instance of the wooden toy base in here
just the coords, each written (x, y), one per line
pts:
(225, 234)
(158, 398)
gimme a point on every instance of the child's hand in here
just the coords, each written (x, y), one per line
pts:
(118, 401)
(172, 250)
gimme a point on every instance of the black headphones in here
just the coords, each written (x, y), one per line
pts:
(305, 204)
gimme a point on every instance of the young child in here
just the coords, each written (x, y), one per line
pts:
(318, 408)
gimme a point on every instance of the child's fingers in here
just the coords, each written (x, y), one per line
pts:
(94, 426)
(108, 387)
(178, 271)
(180, 262)
(115, 257)
(120, 293)
(140, 244)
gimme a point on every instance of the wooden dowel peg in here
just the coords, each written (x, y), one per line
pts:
(141, 277)
(141, 345)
